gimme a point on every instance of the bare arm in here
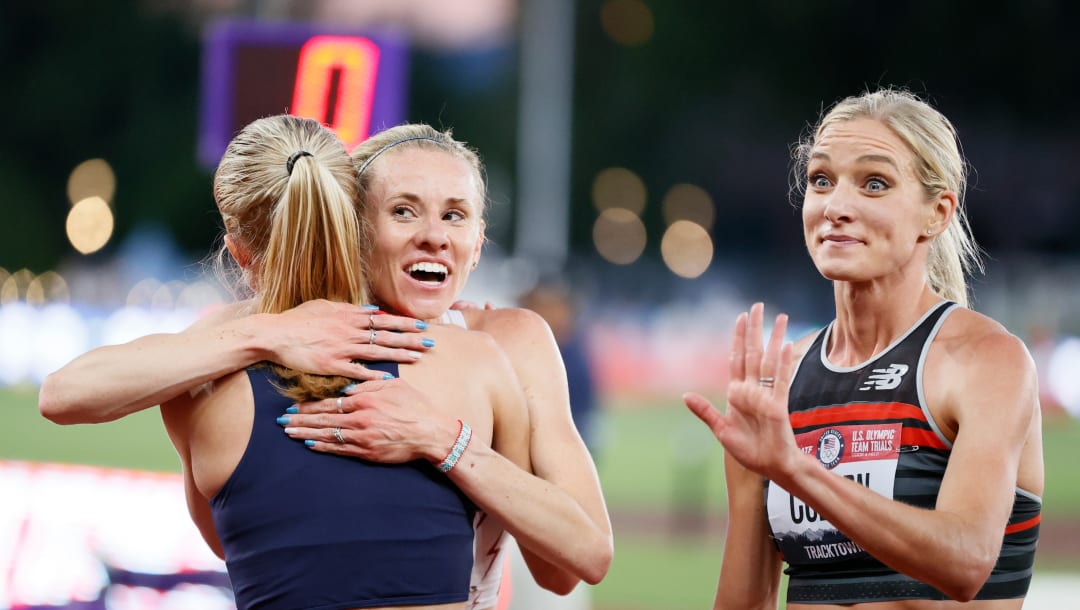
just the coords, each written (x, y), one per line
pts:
(750, 572)
(111, 382)
(559, 456)
(176, 416)
(557, 516)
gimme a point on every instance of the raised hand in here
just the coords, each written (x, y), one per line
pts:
(382, 421)
(328, 338)
(755, 429)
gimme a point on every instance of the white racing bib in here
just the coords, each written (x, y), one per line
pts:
(865, 453)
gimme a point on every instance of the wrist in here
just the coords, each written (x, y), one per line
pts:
(461, 443)
(253, 340)
(797, 469)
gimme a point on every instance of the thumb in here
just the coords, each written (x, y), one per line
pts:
(704, 410)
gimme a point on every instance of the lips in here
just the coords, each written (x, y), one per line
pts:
(840, 239)
(429, 273)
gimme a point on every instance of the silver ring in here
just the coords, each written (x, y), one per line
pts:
(766, 382)
(337, 435)
(339, 405)
(371, 338)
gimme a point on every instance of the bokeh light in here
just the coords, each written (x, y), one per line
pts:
(92, 178)
(689, 202)
(627, 22)
(142, 293)
(619, 236)
(90, 224)
(618, 187)
(687, 249)
(14, 286)
(49, 287)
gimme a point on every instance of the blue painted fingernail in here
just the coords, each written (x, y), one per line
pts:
(422, 325)
(283, 420)
(348, 388)
(293, 409)
(309, 443)
(428, 342)
(387, 376)
(370, 307)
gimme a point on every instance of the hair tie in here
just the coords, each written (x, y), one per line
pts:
(292, 159)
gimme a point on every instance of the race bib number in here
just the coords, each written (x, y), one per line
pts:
(866, 454)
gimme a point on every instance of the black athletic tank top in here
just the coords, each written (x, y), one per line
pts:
(312, 530)
(870, 423)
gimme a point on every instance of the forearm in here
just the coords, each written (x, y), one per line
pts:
(750, 572)
(900, 535)
(114, 381)
(542, 517)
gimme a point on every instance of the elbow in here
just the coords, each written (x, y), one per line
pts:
(50, 406)
(600, 557)
(559, 584)
(965, 582)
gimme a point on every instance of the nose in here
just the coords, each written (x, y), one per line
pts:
(838, 204)
(433, 234)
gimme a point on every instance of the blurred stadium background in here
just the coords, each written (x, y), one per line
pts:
(636, 150)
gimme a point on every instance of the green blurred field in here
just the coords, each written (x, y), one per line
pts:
(660, 468)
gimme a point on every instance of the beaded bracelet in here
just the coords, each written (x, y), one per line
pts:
(462, 442)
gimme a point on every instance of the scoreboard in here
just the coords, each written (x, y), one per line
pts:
(354, 82)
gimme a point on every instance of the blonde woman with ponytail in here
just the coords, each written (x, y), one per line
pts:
(298, 528)
(900, 447)
(422, 196)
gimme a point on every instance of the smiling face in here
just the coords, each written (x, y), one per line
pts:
(865, 213)
(426, 214)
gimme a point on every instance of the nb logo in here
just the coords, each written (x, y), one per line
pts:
(886, 379)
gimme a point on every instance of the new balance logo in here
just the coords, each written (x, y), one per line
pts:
(886, 379)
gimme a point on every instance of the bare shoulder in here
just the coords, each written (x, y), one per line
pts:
(510, 325)
(975, 366)
(467, 347)
(973, 340)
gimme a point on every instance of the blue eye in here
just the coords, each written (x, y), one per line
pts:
(876, 185)
(819, 181)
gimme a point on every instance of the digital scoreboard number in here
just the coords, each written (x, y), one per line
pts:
(355, 83)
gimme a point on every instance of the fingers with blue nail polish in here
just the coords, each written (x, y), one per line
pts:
(422, 325)
(428, 342)
(283, 420)
(293, 409)
(309, 443)
(387, 376)
(348, 388)
(370, 307)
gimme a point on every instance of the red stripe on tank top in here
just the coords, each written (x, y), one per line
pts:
(870, 412)
(1023, 525)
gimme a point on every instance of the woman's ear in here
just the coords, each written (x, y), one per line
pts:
(238, 252)
(944, 208)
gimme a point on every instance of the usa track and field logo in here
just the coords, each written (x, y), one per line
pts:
(830, 448)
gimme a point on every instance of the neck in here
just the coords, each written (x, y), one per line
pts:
(870, 318)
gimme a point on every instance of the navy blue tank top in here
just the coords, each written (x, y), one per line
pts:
(870, 423)
(308, 530)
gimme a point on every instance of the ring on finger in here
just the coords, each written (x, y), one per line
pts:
(766, 382)
(339, 409)
(371, 337)
(337, 435)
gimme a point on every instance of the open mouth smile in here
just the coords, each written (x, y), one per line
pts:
(428, 273)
